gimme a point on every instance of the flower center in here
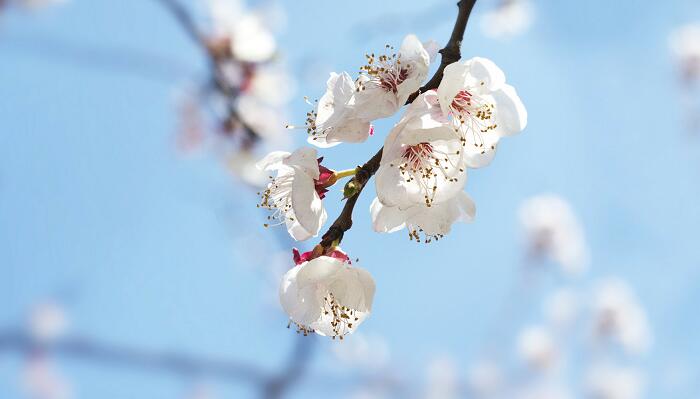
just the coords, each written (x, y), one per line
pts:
(342, 318)
(473, 115)
(277, 198)
(385, 71)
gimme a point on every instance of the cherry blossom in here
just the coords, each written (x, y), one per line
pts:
(249, 40)
(618, 316)
(606, 381)
(510, 18)
(552, 230)
(327, 295)
(292, 195)
(537, 348)
(47, 321)
(481, 107)
(422, 161)
(685, 45)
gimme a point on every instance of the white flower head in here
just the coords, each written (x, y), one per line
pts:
(605, 381)
(510, 18)
(552, 230)
(482, 108)
(618, 315)
(47, 321)
(388, 80)
(292, 195)
(334, 120)
(249, 38)
(422, 161)
(327, 295)
(537, 348)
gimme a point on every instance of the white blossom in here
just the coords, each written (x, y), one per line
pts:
(552, 230)
(482, 108)
(422, 161)
(510, 18)
(562, 307)
(250, 39)
(335, 119)
(685, 45)
(537, 348)
(243, 164)
(618, 315)
(606, 381)
(327, 295)
(292, 195)
(47, 321)
(388, 80)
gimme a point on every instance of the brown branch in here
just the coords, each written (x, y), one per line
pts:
(450, 53)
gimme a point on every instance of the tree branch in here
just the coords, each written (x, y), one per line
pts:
(450, 53)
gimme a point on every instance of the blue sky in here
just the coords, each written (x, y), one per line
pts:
(155, 250)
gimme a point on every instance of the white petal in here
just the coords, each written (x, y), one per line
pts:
(272, 160)
(304, 159)
(487, 72)
(307, 205)
(453, 81)
(386, 219)
(511, 115)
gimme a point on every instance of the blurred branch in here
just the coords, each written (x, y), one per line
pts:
(450, 53)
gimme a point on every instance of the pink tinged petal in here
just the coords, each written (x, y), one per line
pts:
(272, 160)
(318, 270)
(306, 204)
(486, 71)
(413, 54)
(511, 115)
(453, 81)
(351, 131)
(386, 219)
(305, 160)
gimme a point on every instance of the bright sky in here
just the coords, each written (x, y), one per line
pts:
(156, 250)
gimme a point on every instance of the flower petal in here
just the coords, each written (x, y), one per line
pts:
(386, 219)
(272, 160)
(511, 115)
(306, 204)
(305, 160)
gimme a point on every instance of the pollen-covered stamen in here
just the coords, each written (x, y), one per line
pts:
(277, 198)
(300, 328)
(473, 115)
(416, 233)
(429, 166)
(342, 318)
(384, 71)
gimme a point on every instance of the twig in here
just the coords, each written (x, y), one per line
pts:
(450, 53)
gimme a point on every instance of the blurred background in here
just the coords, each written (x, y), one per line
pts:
(134, 262)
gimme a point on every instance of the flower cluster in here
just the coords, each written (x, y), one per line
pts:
(420, 175)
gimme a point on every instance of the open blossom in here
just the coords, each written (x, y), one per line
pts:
(293, 195)
(510, 18)
(334, 120)
(552, 230)
(617, 315)
(482, 108)
(345, 111)
(327, 295)
(422, 161)
(537, 348)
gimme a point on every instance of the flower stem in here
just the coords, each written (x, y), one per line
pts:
(345, 173)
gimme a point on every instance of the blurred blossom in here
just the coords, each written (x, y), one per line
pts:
(201, 392)
(433, 48)
(685, 45)
(552, 230)
(250, 40)
(510, 18)
(544, 390)
(272, 85)
(561, 307)
(537, 348)
(243, 165)
(363, 351)
(265, 120)
(485, 379)
(47, 321)
(443, 381)
(614, 382)
(617, 315)
(41, 381)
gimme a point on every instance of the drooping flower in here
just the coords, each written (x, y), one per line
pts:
(423, 222)
(423, 161)
(388, 80)
(327, 295)
(552, 230)
(292, 195)
(618, 316)
(510, 18)
(482, 108)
